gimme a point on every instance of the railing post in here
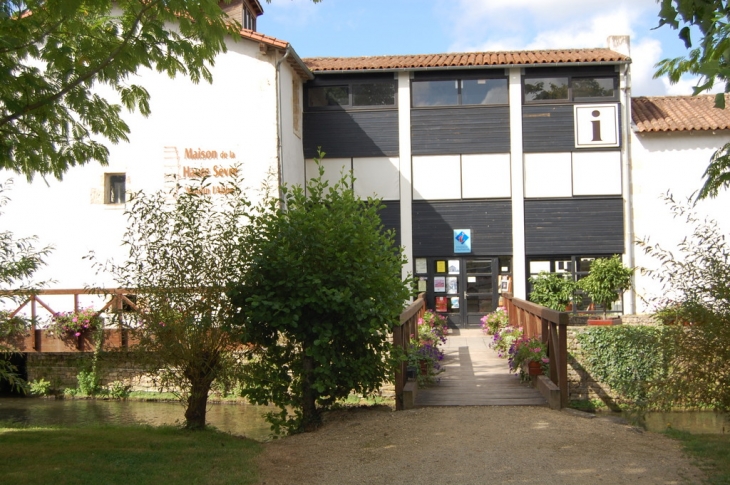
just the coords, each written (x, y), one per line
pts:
(563, 369)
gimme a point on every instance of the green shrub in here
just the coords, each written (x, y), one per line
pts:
(626, 358)
(40, 387)
(552, 290)
(119, 390)
(88, 383)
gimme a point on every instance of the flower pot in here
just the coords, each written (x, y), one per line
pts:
(423, 367)
(534, 368)
(600, 321)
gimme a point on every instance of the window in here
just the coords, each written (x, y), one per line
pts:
(593, 88)
(352, 95)
(296, 106)
(373, 94)
(455, 92)
(567, 88)
(577, 267)
(115, 188)
(543, 88)
(249, 20)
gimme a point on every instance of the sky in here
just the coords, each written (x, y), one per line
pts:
(346, 28)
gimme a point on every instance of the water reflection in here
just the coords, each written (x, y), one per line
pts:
(241, 420)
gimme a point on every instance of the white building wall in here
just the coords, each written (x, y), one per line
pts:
(235, 117)
(671, 162)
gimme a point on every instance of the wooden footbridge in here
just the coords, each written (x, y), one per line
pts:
(475, 376)
(473, 373)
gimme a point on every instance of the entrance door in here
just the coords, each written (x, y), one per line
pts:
(478, 290)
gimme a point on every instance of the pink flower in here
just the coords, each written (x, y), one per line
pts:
(75, 319)
(78, 334)
(545, 360)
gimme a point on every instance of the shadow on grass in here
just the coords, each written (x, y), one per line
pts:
(124, 455)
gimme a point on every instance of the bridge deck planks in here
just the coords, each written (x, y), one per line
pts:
(475, 376)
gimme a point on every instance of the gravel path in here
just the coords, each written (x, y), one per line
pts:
(473, 445)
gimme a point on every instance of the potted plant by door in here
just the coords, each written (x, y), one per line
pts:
(552, 290)
(606, 282)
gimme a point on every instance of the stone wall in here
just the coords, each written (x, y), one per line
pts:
(61, 369)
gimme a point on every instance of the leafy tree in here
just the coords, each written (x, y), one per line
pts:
(19, 260)
(320, 298)
(696, 288)
(183, 252)
(708, 58)
(54, 54)
(607, 281)
(552, 290)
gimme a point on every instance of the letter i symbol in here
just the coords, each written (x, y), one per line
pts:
(596, 126)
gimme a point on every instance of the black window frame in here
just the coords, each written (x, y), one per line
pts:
(571, 97)
(349, 83)
(459, 78)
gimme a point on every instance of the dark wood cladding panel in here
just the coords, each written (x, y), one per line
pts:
(442, 131)
(390, 215)
(574, 226)
(351, 133)
(548, 128)
(434, 223)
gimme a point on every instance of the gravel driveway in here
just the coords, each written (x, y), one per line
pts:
(473, 445)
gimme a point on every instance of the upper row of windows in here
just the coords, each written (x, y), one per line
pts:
(467, 92)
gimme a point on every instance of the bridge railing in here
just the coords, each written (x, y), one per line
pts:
(37, 304)
(551, 327)
(401, 338)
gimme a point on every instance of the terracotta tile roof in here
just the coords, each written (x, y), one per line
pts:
(268, 40)
(679, 113)
(294, 60)
(466, 59)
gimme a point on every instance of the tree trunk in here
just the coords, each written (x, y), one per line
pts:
(197, 404)
(201, 375)
(310, 414)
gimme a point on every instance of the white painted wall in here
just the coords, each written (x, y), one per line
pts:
(670, 162)
(437, 177)
(486, 176)
(548, 175)
(235, 115)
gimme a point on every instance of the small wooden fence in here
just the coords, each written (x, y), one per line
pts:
(38, 340)
(551, 327)
(401, 338)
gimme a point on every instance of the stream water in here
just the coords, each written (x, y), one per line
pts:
(237, 419)
(246, 420)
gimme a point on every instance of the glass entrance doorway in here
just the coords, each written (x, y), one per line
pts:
(464, 289)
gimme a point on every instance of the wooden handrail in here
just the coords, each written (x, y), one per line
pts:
(551, 327)
(401, 339)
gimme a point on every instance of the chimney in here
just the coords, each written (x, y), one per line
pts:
(620, 44)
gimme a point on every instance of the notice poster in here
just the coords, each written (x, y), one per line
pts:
(422, 283)
(421, 267)
(452, 285)
(441, 304)
(439, 284)
(453, 266)
(441, 266)
(454, 302)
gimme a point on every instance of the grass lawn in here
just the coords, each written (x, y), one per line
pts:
(712, 452)
(124, 455)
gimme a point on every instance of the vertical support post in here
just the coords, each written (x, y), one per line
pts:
(544, 330)
(563, 367)
(36, 333)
